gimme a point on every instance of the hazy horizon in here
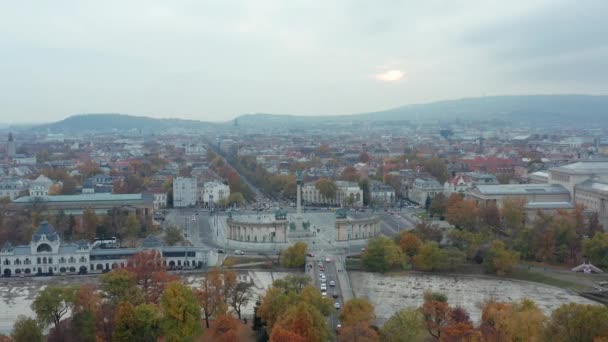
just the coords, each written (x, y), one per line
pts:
(213, 61)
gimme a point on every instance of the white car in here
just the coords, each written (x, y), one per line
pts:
(337, 305)
(332, 283)
(323, 293)
(239, 252)
(323, 287)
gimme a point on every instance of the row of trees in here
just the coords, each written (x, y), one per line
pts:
(559, 238)
(523, 320)
(420, 250)
(138, 303)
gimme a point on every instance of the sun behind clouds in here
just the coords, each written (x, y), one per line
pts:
(390, 76)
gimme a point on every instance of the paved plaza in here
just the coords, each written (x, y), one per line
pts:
(391, 293)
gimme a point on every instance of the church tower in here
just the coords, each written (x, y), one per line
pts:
(10, 146)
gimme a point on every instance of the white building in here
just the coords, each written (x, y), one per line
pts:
(346, 192)
(47, 255)
(423, 188)
(11, 188)
(160, 200)
(184, 192)
(195, 150)
(214, 192)
(381, 192)
(40, 186)
(457, 184)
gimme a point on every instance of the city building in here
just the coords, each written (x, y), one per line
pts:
(47, 255)
(258, 229)
(457, 184)
(424, 188)
(184, 192)
(214, 192)
(496, 194)
(100, 183)
(381, 193)
(11, 150)
(13, 187)
(40, 186)
(347, 194)
(350, 228)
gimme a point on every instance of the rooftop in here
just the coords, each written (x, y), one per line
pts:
(549, 205)
(95, 197)
(584, 167)
(592, 185)
(522, 189)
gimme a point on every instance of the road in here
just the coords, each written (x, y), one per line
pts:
(332, 292)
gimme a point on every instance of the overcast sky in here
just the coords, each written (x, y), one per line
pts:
(215, 60)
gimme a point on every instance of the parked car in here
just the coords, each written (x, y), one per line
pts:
(239, 252)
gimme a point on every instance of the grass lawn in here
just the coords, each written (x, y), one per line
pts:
(522, 274)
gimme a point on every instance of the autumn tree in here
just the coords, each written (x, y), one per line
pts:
(89, 223)
(462, 213)
(132, 227)
(26, 329)
(490, 215)
(382, 254)
(120, 285)
(499, 259)
(435, 313)
(288, 292)
(428, 232)
(514, 214)
(239, 296)
(596, 249)
(520, 321)
(577, 322)
(180, 313)
(86, 307)
(327, 188)
(438, 205)
(149, 274)
(410, 244)
(211, 295)
(306, 321)
(295, 255)
(357, 316)
(404, 325)
(225, 329)
(350, 174)
(437, 168)
(280, 334)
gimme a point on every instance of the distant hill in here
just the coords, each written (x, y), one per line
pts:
(573, 110)
(120, 122)
(533, 109)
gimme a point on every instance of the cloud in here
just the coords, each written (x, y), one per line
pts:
(390, 76)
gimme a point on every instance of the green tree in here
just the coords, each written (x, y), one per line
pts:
(173, 236)
(383, 254)
(430, 258)
(596, 249)
(120, 285)
(26, 329)
(499, 259)
(89, 223)
(132, 227)
(437, 168)
(236, 198)
(294, 256)
(514, 214)
(404, 325)
(51, 304)
(181, 313)
(136, 323)
(327, 188)
(438, 205)
(577, 323)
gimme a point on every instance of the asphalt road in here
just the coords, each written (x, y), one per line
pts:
(331, 275)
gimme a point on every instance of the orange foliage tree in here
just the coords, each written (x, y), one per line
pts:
(150, 275)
